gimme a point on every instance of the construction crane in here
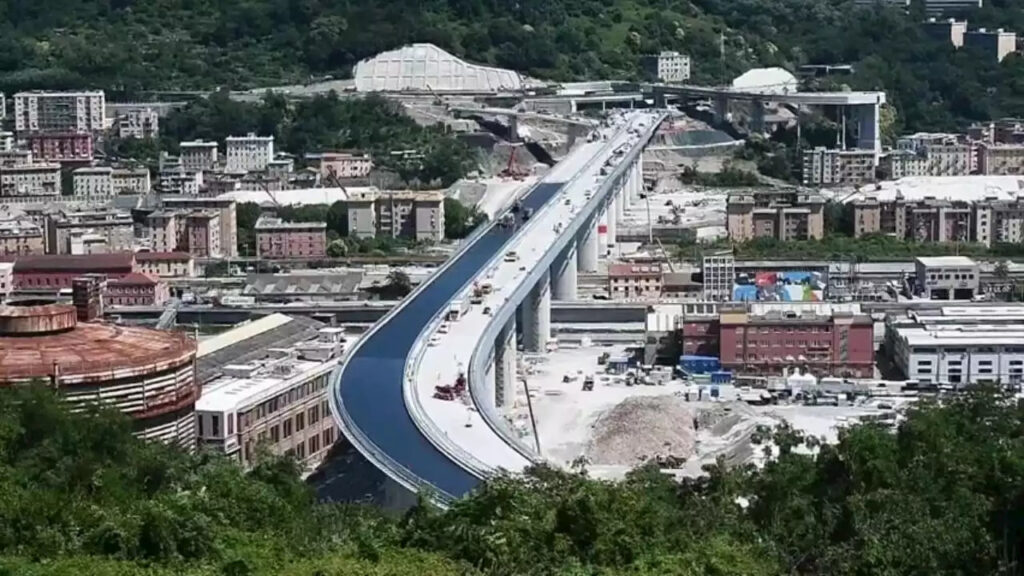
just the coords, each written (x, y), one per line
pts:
(510, 170)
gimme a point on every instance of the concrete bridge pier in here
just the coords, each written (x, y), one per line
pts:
(620, 202)
(757, 117)
(721, 109)
(537, 316)
(613, 217)
(602, 233)
(505, 366)
(564, 282)
(586, 256)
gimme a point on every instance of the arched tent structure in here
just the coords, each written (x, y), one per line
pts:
(425, 67)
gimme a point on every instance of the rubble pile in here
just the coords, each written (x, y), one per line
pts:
(640, 429)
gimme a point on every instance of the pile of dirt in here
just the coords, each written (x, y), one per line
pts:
(640, 429)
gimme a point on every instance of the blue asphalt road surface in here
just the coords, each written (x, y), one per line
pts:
(371, 383)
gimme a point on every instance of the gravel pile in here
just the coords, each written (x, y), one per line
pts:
(641, 428)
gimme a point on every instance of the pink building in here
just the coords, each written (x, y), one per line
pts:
(135, 289)
(62, 146)
(202, 228)
(278, 239)
(767, 338)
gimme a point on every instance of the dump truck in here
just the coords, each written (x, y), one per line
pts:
(457, 309)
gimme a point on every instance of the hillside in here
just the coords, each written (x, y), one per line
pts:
(128, 45)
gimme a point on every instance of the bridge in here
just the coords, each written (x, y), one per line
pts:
(382, 396)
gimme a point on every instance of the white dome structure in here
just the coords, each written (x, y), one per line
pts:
(766, 81)
(425, 67)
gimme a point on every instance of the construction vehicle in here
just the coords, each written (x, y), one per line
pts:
(478, 295)
(449, 393)
(588, 383)
(527, 213)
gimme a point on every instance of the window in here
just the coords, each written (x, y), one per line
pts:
(287, 426)
(231, 424)
(300, 450)
(314, 445)
(328, 437)
(199, 421)
(275, 433)
(215, 427)
(300, 422)
(314, 415)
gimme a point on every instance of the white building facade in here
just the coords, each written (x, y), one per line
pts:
(250, 153)
(60, 111)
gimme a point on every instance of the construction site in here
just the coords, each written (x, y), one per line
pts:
(589, 405)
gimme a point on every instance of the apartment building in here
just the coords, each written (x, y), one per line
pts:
(361, 212)
(197, 155)
(164, 230)
(947, 30)
(15, 157)
(74, 147)
(999, 222)
(667, 66)
(787, 216)
(30, 181)
(827, 166)
(928, 155)
(130, 181)
(947, 277)
(6, 278)
(1001, 159)
(202, 229)
(770, 337)
(59, 112)
(995, 44)
(927, 220)
(957, 345)
(135, 289)
(141, 123)
(250, 153)
(66, 228)
(166, 264)
(20, 236)
(225, 208)
(6, 141)
(628, 281)
(93, 182)
(278, 403)
(719, 275)
(278, 239)
(417, 215)
(344, 165)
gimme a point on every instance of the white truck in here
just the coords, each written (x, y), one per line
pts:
(457, 309)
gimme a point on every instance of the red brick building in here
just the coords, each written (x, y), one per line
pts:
(278, 239)
(61, 147)
(51, 273)
(135, 289)
(767, 338)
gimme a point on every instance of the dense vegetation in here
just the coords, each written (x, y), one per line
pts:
(944, 494)
(130, 46)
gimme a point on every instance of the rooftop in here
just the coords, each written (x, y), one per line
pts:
(268, 223)
(75, 263)
(963, 188)
(133, 279)
(945, 261)
(162, 256)
(249, 341)
(80, 349)
(632, 270)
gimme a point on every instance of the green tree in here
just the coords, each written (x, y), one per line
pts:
(460, 220)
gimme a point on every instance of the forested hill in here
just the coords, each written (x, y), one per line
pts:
(132, 45)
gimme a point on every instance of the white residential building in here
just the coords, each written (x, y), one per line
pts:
(668, 66)
(197, 155)
(278, 403)
(6, 141)
(250, 153)
(131, 180)
(93, 182)
(138, 123)
(30, 180)
(59, 111)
